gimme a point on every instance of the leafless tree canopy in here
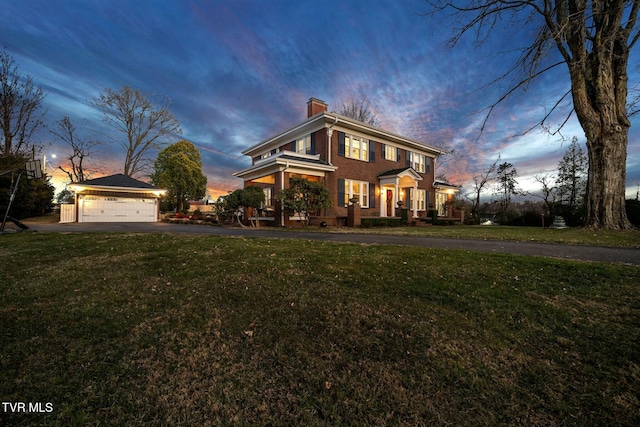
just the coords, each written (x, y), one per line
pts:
(143, 126)
(20, 107)
(359, 109)
(80, 149)
(593, 39)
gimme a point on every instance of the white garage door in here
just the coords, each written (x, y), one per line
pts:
(117, 209)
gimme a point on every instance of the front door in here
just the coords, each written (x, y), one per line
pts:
(389, 199)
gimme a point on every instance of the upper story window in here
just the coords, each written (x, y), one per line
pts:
(356, 148)
(418, 162)
(270, 153)
(303, 145)
(390, 153)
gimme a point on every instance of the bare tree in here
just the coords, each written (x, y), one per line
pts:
(20, 105)
(145, 126)
(633, 104)
(480, 181)
(80, 149)
(359, 109)
(549, 192)
(594, 39)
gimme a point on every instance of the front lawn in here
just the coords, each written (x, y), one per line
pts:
(569, 236)
(154, 329)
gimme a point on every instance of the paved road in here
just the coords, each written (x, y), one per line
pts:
(586, 253)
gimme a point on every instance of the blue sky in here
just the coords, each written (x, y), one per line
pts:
(240, 71)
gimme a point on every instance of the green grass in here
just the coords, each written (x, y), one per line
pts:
(153, 329)
(570, 236)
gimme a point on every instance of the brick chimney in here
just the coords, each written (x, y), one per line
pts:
(315, 106)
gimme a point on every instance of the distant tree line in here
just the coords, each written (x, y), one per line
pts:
(562, 193)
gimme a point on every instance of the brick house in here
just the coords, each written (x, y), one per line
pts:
(353, 160)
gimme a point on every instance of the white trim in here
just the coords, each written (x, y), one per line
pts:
(344, 124)
(276, 163)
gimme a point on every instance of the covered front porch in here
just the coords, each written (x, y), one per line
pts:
(398, 190)
(272, 174)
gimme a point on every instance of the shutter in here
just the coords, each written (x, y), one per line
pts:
(372, 195)
(313, 143)
(427, 164)
(408, 162)
(398, 152)
(293, 146)
(383, 147)
(341, 191)
(341, 144)
(372, 151)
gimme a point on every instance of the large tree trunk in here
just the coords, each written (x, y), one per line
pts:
(607, 181)
(599, 90)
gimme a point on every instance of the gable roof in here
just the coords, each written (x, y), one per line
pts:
(331, 120)
(408, 171)
(118, 180)
(118, 183)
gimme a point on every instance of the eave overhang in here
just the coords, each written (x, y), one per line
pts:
(80, 188)
(340, 122)
(286, 160)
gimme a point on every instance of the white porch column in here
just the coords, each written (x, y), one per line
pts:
(281, 203)
(396, 193)
(414, 199)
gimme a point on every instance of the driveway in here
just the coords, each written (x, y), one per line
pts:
(629, 256)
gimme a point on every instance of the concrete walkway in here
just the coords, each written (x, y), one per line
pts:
(629, 256)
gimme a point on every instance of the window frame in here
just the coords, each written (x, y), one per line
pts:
(416, 164)
(390, 153)
(349, 147)
(268, 198)
(420, 199)
(303, 145)
(363, 194)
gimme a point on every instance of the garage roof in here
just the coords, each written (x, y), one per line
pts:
(118, 180)
(116, 183)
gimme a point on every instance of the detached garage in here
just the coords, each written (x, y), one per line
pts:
(114, 198)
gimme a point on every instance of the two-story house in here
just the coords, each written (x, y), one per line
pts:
(353, 160)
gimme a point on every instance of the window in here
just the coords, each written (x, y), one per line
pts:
(420, 200)
(270, 153)
(391, 153)
(268, 197)
(303, 145)
(358, 190)
(356, 148)
(418, 162)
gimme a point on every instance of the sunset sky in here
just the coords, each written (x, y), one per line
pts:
(239, 71)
